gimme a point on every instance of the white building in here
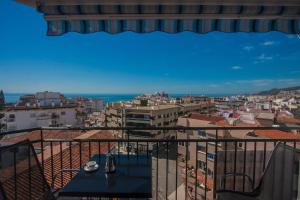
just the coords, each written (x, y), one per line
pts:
(17, 119)
(47, 99)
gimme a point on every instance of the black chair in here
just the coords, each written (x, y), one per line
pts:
(279, 180)
(2, 194)
(21, 176)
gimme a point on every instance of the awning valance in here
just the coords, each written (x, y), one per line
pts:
(171, 16)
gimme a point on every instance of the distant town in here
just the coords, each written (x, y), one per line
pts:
(280, 110)
(277, 107)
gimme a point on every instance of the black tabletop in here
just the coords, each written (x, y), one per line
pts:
(132, 179)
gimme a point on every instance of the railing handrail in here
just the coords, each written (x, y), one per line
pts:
(173, 140)
(150, 128)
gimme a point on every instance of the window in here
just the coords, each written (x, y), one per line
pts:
(201, 148)
(210, 155)
(201, 165)
(11, 116)
(210, 172)
(201, 133)
(181, 144)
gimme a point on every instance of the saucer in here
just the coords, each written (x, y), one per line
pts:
(91, 169)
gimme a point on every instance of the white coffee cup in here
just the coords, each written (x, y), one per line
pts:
(91, 164)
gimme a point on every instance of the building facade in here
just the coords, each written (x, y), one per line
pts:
(17, 119)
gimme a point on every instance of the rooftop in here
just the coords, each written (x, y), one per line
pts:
(149, 108)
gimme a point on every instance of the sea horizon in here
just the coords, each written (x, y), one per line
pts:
(14, 97)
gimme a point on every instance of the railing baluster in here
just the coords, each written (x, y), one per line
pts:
(29, 170)
(234, 167)
(254, 165)
(147, 149)
(99, 151)
(167, 170)
(42, 148)
(89, 149)
(157, 146)
(225, 165)
(80, 156)
(244, 167)
(118, 148)
(186, 171)
(52, 164)
(70, 158)
(196, 181)
(215, 164)
(176, 173)
(137, 149)
(264, 162)
(15, 174)
(206, 169)
(61, 165)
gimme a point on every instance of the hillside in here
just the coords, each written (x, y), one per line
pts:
(275, 91)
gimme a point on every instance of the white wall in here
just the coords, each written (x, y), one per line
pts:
(25, 119)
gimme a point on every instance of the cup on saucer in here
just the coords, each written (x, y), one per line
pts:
(91, 166)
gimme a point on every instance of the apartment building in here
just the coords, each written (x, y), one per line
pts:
(89, 105)
(26, 118)
(151, 116)
(201, 157)
(188, 108)
(49, 99)
(42, 109)
(195, 99)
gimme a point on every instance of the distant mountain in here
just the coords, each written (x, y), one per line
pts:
(276, 91)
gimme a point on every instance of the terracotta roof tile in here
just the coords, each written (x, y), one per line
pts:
(209, 118)
(290, 120)
(276, 134)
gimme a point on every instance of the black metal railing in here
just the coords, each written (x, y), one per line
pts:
(183, 167)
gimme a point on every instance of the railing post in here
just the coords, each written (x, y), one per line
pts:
(215, 164)
(29, 170)
(186, 169)
(196, 168)
(254, 166)
(15, 175)
(42, 148)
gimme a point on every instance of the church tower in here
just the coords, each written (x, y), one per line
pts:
(2, 100)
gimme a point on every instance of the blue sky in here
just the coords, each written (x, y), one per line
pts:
(135, 63)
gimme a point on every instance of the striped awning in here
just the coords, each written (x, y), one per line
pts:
(171, 16)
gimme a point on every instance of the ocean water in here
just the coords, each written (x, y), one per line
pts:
(14, 97)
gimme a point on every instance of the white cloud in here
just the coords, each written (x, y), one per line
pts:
(248, 48)
(289, 81)
(263, 57)
(268, 43)
(265, 82)
(236, 67)
(256, 82)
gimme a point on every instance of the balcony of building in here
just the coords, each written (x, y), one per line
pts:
(181, 168)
